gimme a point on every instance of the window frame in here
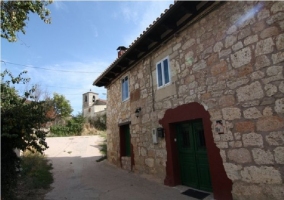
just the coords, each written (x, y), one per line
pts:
(122, 88)
(161, 62)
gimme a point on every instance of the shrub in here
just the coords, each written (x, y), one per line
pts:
(99, 122)
(74, 126)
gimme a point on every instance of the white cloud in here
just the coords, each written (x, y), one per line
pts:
(59, 5)
(147, 14)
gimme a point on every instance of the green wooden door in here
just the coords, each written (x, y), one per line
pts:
(193, 161)
(127, 141)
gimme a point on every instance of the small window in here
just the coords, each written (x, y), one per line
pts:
(125, 88)
(86, 98)
(163, 72)
(94, 98)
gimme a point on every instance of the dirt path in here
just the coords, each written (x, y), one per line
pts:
(78, 176)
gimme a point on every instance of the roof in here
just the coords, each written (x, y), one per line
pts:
(165, 26)
(100, 102)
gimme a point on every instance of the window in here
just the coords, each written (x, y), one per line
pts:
(125, 88)
(163, 72)
(86, 98)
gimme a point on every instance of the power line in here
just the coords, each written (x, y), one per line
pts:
(58, 70)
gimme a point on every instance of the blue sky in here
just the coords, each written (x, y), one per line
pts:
(83, 37)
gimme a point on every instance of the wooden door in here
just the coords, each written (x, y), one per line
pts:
(192, 152)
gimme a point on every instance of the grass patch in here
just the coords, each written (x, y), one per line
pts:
(35, 176)
(103, 147)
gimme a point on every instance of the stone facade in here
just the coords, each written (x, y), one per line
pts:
(231, 62)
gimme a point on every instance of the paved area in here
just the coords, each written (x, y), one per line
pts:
(78, 176)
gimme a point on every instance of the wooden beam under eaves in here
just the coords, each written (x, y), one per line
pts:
(154, 38)
(142, 48)
(169, 25)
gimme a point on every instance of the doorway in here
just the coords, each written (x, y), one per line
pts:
(194, 112)
(192, 154)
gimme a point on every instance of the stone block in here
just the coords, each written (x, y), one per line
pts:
(261, 156)
(248, 191)
(221, 145)
(270, 89)
(279, 155)
(149, 162)
(258, 26)
(219, 68)
(245, 126)
(218, 47)
(275, 138)
(250, 39)
(231, 113)
(236, 144)
(237, 46)
(228, 136)
(245, 70)
(232, 171)
(262, 61)
(230, 40)
(223, 155)
(188, 44)
(263, 174)
(250, 92)
(241, 57)
(232, 29)
(267, 111)
(176, 47)
(200, 65)
(274, 70)
(241, 155)
(269, 32)
(264, 47)
(275, 18)
(278, 57)
(225, 53)
(244, 33)
(257, 75)
(280, 42)
(277, 7)
(236, 83)
(269, 123)
(252, 113)
(252, 139)
(238, 136)
(281, 87)
(279, 105)
(226, 101)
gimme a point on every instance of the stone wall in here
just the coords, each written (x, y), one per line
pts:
(230, 61)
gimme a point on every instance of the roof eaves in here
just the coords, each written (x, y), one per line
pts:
(133, 43)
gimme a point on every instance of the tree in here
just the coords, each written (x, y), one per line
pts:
(61, 106)
(22, 119)
(14, 16)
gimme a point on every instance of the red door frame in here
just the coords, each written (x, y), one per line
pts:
(221, 184)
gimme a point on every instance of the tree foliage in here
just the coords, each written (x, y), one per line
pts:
(61, 105)
(22, 120)
(74, 126)
(14, 16)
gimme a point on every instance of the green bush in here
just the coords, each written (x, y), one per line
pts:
(99, 122)
(36, 171)
(74, 126)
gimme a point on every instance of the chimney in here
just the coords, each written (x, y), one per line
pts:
(121, 50)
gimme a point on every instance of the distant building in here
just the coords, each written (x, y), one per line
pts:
(92, 105)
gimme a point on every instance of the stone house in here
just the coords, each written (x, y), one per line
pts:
(92, 106)
(198, 99)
